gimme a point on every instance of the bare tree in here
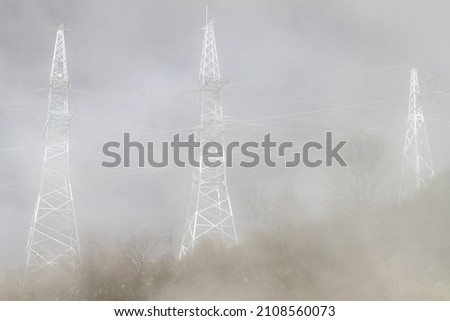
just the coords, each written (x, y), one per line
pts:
(138, 253)
(367, 183)
(256, 204)
(101, 277)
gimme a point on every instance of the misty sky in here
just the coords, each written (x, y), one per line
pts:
(133, 67)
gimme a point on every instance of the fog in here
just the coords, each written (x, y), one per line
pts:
(295, 69)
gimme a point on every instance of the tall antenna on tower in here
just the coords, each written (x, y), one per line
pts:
(210, 215)
(417, 167)
(53, 237)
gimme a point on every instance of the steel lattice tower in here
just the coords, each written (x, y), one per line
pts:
(210, 214)
(53, 237)
(417, 167)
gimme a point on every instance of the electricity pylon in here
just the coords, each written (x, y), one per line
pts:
(417, 167)
(210, 214)
(53, 237)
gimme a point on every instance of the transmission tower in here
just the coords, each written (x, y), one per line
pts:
(53, 237)
(210, 214)
(417, 167)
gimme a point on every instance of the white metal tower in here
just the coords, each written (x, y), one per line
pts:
(53, 237)
(210, 214)
(417, 167)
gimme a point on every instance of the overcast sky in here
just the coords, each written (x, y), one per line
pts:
(133, 67)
